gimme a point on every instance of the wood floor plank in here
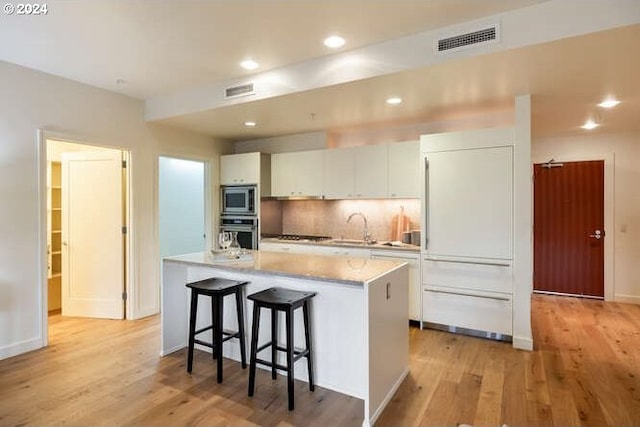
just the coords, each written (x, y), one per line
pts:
(489, 407)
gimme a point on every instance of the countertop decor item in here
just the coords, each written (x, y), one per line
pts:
(400, 224)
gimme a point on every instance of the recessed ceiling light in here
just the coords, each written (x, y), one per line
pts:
(250, 124)
(589, 125)
(395, 100)
(609, 103)
(249, 64)
(334, 42)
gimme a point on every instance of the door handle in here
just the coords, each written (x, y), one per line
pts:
(426, 204)
(598, 235)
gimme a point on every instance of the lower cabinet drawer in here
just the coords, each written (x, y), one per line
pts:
(494, 276)
(488, 312)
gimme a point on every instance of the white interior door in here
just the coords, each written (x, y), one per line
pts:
(92, 239)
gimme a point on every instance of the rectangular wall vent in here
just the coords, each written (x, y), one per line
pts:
(470, 39)
(242, 90)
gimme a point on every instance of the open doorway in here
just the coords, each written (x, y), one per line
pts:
(87, 217)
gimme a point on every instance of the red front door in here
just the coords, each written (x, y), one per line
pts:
(568, 223)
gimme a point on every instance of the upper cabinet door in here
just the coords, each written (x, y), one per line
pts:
(237, 169)
(339, 177)
(372, 171)
(298, 174)
(404, 170)
(469, 202)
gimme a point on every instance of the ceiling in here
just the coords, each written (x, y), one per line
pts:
(148, 49)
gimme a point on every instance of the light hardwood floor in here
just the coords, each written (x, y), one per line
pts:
(585, 370)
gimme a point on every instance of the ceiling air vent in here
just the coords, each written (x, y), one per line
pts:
(473, 38)
(236, 91)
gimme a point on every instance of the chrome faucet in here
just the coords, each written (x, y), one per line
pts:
(365, 231)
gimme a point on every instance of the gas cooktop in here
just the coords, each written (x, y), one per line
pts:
(297, 237)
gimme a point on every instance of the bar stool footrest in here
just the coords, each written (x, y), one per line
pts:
(269, 364)
(206, 328)
(296, 350)
(204, 343)
(229, 335)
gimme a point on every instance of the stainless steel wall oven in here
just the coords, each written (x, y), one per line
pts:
(245, 226)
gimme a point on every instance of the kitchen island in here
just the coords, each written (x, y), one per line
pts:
(358, 316)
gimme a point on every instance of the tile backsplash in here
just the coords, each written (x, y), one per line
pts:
(329, 217)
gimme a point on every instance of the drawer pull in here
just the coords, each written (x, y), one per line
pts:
(464, 294)
(456, 261)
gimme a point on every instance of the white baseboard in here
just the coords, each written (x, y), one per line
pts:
(523, 343)
(629, 299)
(20, 347)
(386, 399)
(166, 352)
(141, 314)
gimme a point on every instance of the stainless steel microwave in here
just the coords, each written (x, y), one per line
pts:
(238, 199)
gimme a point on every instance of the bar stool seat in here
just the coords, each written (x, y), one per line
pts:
(217, 289)
(285, 300)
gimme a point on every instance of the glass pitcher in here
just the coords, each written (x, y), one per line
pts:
(234, 246)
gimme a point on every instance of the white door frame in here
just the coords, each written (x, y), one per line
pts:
(609, 169)
(208, 227)
(41, 148)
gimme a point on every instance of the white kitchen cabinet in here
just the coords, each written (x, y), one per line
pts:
(372, 171)
(297, 174)
(343, 251)
(477, 311)
(357, 172)
(286, 247)
(477, 275)
(327, 250)
(240, 169)
(339, 173)
(469, 202)
(415, 286)
(247, 168)
(468, 293)
(404, 170)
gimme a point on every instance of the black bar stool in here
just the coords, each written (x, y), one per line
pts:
(286, 300)
(217, 289)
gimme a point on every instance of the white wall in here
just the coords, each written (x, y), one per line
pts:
(33, 100)
(625, 149)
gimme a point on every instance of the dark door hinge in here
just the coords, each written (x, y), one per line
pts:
(124, 163)
(124, 296)
(124, 229)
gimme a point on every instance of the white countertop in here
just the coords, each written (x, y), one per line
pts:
(346, 270)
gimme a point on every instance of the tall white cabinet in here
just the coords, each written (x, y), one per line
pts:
(467, 251)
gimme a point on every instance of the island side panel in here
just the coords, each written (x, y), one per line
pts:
(174, 307)
(388, 332)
